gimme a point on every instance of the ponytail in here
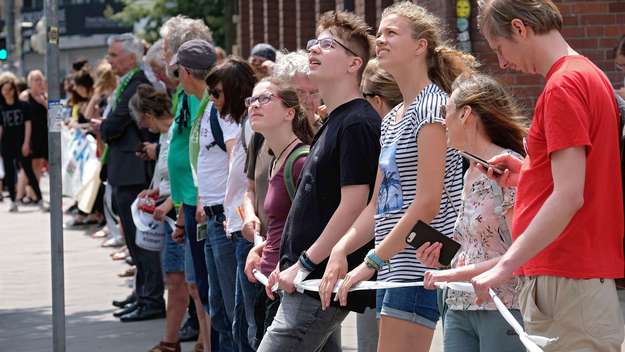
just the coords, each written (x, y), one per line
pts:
(445, 64)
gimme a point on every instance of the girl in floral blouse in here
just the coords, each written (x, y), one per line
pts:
(482, 119)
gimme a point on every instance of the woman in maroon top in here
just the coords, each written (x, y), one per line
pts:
(275, 112)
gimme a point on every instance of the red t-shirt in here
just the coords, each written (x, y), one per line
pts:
(576, 108)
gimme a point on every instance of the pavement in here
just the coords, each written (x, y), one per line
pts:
(91, 283)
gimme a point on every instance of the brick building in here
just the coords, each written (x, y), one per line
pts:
(591, 27)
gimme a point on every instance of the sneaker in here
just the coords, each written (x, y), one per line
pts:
(112, 242)
(13, 207)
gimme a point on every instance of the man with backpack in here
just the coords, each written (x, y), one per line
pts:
(568, 217)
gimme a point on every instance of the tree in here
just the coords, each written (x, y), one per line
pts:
(153, 13)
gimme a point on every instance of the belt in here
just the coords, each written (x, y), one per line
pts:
(214, 210)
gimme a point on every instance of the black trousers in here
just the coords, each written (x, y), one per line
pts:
(12, 163)
(149, 285)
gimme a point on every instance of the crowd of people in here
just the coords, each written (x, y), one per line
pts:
(318, 164)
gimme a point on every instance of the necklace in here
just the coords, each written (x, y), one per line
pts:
(275, 160)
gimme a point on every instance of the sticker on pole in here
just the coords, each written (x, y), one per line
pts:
(55, 116)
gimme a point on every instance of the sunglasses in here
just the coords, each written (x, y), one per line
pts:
(261, 99)
(215, 93)
(443, 110)
(327, 44)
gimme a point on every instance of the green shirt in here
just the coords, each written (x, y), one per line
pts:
(183, 189)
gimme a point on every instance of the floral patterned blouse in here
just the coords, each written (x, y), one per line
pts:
(482, 231)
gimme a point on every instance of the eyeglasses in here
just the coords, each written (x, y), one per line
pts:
(215, 93)
(327, 44)
(261, 99)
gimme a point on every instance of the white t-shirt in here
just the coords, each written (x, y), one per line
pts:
(161, 175)
(212, 161)
(237, 182)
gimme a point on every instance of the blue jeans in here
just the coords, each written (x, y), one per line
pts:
(221, 265)
(414, 304)
(244, 325)
(197, 253)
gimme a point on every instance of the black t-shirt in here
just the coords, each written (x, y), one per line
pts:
(344, 152)
(12, 120)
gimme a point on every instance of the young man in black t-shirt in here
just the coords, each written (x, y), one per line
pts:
(334, 187)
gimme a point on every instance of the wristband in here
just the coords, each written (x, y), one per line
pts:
(180, 226)
(373, 261)
(306, 263)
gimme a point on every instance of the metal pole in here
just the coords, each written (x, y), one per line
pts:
(55, 120)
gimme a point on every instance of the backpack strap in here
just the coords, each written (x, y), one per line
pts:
(289, 182)
(218, 134)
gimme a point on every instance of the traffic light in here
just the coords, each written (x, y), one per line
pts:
(4, 53)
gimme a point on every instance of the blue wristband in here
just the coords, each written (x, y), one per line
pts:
(375, 259)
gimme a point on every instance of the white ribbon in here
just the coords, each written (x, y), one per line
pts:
(531, 342)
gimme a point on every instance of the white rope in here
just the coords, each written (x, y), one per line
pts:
(533, 343)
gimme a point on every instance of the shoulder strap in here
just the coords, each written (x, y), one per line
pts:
(218, 134)
(242, 134)
(289, 182)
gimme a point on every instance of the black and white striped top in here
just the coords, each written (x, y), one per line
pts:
(399, 163)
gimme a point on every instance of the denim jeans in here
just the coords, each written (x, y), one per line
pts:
(197, 253)
(221, 265)
(302, 326)
(244, 325)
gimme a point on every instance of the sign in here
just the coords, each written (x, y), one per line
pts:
(55, 116)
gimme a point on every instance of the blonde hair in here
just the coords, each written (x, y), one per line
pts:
(444, 62)
(378, 82)
(495, 16)
(105, 79)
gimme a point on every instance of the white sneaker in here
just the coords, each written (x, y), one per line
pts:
(13, 207)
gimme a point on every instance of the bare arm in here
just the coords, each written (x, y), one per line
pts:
(353, 202)
(432, 144)
(362, 230)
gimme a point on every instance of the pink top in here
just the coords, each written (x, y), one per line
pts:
(277, 205)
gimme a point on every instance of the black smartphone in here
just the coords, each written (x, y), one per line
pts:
(423, 232)
(480, 161)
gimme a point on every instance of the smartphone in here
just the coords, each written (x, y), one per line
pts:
(480, 161)
(202, 232)
(423, 232)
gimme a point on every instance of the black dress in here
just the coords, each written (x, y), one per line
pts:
(39, 122)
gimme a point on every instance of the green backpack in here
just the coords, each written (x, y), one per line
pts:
(289, 182)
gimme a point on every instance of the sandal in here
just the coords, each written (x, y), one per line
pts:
(199, 347)
(129, 272)
(166, 347)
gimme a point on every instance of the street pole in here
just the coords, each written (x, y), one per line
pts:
(55, 122)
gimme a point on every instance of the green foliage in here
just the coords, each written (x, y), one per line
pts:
(155, 12)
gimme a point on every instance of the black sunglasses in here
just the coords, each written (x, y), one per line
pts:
(215, 93)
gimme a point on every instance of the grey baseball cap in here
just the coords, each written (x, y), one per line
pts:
(195, 54)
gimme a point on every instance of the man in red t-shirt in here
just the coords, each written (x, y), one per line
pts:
(568, 216)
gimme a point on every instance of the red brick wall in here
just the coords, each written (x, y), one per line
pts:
(591, 27)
